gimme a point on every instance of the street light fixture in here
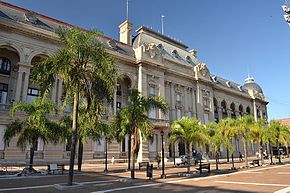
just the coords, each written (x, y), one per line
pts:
(162, 135)
(106, 156)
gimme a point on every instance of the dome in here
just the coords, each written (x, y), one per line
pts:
(252, 85)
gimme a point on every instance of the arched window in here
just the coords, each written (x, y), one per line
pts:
(5, 66)
(248, 110)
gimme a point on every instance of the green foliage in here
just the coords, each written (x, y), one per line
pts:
(278, 133)
(134, 116)
(216, 139)
(84, 66)
(188, 130)
(36, 126)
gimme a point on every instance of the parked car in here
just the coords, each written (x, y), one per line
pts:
(183, 159)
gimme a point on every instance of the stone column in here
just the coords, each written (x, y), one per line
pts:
(194, 104)
(173, 110)
(161, 93)
(140, 78)
(18, 85)
(185, 102)
(220, 113)
(115, 101)
(255, 110)
(25, 85)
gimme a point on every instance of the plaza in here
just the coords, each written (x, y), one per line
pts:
(135, 109)
(267, 178)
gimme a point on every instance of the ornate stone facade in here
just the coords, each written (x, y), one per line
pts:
(151, 62)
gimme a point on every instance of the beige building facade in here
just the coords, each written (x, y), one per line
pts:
(152, 62)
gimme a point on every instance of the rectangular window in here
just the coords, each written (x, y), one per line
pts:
(178, 98)
(151, 91)
(152, 113)
(32, 93)
(3, 93)
(189, 114)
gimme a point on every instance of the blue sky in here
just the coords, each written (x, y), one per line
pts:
(231, 37)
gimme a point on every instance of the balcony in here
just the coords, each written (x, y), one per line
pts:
(160, 123)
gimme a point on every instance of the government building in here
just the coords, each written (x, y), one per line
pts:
(155, 64)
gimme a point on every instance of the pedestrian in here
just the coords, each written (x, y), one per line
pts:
(240, 156)
(113, 160)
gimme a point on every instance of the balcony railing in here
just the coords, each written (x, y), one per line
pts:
(160, 122)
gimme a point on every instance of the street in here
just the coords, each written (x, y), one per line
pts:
(259, 179)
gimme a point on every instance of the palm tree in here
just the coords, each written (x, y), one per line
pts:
(90, 126)
(216, 139)
(258, 134)
(87, 71)
(134, 119)
(188, 130)
(123, 128)
(242, 126)
(280, 135)
(227, 131)
(36, 126)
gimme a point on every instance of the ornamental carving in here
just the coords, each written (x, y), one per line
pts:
(203, 69)
(152, 50)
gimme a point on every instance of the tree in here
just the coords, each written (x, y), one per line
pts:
(280, 135)
(227, 131)
(216, 139)
(134, 119)
(258, 134)
(86, 69)
(188, 130)
(90, 126)
(242, 126)
(36, 126)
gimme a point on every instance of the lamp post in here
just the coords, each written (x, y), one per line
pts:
(162, 134)
(174, 154)
(106, 156)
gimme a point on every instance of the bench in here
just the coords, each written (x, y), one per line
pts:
(142, 164)
(255, 162)
(52, 168)
(203, 166)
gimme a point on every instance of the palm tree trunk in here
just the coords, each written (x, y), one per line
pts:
(133, 154)
(129, 151)
(80, 154)
(188, 156)
(287, 150)
(279, 153)
(216, 160)
(261, 152)
(32, 148)
(74, 138)
(246, 151)
(233, 162)
(270, 152)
